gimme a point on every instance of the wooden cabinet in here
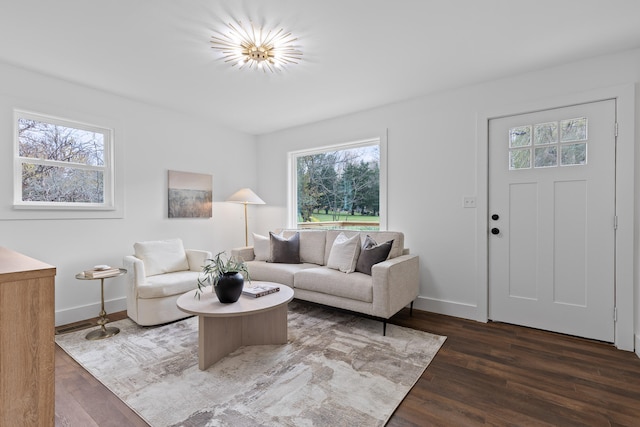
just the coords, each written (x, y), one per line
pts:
(27, 346)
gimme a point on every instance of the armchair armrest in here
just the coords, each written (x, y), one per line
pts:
(245, 253)
(135, 276)
(396, 283)
(135, 270)
(197, 258)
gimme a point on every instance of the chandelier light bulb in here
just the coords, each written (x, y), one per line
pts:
(244, 47)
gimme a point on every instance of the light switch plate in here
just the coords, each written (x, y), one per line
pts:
(468, 202)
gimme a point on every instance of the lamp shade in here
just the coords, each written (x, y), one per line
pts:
(246, 196)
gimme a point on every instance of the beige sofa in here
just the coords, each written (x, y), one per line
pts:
(392, 285)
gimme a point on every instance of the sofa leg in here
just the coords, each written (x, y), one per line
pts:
(411, 309)
(384, 328)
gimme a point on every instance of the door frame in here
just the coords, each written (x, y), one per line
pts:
(625, 186)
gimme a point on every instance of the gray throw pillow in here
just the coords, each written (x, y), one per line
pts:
(285, 250)
(372, 253)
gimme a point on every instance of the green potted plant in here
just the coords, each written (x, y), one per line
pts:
(226, 275)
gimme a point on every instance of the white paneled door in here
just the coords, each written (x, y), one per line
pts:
(552, 219)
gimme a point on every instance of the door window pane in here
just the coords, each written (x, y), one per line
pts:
(573, 154)
(520, 136)
(520, 159)
(573, 129)
(546, 157)
(545, 133)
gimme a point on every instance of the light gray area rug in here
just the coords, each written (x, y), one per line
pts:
(336, 370)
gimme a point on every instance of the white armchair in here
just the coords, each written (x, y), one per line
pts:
(157, 274)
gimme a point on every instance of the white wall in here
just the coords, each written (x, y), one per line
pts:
(433, 161)
(149, 142)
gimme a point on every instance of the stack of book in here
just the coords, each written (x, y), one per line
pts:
(98, 272)
(259, 290)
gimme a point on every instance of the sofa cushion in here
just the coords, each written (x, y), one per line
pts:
(162, 256)
(312, 244)
(372, 253)
(397, 247)
(168, 284)
(356, 286)
(273, 272)
(261, 247)
(285, 250)
(344, 253)
(380, 236)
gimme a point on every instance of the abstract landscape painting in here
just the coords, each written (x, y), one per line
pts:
(190, 195)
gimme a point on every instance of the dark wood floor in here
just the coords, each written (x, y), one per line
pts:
(485, 374)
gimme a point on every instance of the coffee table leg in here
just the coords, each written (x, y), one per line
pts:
(268, 327)
(217, 337)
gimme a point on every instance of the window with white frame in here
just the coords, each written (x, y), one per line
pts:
(62, 164)
(340, 186)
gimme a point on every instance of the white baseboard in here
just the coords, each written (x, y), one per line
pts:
(449, 308)
(76, 314)
(637, 344)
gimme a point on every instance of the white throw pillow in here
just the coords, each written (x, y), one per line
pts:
(261, 247)
(162, 256)
(344, 253)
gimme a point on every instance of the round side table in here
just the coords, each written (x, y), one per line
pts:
(103, 332)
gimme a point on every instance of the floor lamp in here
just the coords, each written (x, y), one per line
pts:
(247, 197)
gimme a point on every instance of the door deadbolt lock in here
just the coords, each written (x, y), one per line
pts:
(495, 231)
(495, 217)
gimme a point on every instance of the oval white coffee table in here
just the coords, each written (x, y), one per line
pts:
(223, 328)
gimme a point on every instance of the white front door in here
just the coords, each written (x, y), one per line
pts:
(551, 219)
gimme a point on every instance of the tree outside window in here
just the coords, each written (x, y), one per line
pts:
(339, 188)
(61, 163)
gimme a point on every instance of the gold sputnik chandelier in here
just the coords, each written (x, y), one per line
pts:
(256, 48)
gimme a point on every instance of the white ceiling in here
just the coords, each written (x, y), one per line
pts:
(357, 54)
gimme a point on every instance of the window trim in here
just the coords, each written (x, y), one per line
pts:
(108, 168)
(292, 178)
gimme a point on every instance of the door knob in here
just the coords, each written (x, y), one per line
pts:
(495, 231)
(495, 217)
